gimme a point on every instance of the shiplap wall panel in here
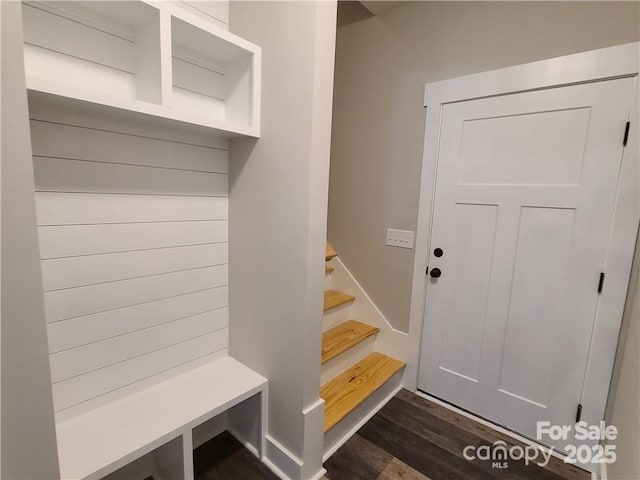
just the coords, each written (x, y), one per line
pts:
(133, 229)
(54, 32)
(62, 175)
(77, 361)
(73, 391)
(204, 80)
(40, 63)
(82, 209)
(73, 240)
(73, 302)
(51, 139)
(67, 272)
(184, 99)
(79, 331)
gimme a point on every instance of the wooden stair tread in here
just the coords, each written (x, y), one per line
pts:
(329, 252)
(343, 337)
(352, 387)
(334, 298)
(328, 269)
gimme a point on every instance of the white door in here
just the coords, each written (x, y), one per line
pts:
(525, 192)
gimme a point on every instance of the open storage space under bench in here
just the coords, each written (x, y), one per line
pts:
(154, 431)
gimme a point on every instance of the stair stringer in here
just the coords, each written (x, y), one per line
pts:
(390, 341)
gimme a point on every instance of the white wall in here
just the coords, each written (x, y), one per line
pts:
(26, 420)
(214, 11)
(278, 192)
(382, 64)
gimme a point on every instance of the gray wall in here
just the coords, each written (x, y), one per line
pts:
(382, 64)
(278, 187)
(27, 425)
(624, 399)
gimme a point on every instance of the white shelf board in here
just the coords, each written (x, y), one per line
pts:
(195, 21)
(223, 127)
(99, 442)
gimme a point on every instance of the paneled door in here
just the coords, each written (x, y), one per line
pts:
(524, 199)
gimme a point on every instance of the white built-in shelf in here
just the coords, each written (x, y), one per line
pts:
(147, 57)
(159, 420)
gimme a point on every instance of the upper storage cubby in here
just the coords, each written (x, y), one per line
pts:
(94, 46)
(210, 71)
(152, 58)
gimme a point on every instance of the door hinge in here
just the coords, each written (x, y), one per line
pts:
(601, 282)
(579, 413)
(626, 134)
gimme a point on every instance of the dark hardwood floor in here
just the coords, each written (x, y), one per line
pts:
(224, 458)
(413, 438)
(409, 439)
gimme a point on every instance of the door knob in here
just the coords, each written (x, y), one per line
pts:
(435, 272)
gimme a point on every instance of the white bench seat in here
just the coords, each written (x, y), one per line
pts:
(99, 442)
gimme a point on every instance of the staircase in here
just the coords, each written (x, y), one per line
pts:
(356, 379)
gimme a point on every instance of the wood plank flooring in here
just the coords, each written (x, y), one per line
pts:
(413, 438)
(224, 458)
(409, 439)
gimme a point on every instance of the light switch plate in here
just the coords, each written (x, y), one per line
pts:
(400, 238)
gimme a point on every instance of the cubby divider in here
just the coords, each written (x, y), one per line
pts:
(151, 58)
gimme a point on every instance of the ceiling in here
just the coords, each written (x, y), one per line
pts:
(350, 11)
(376, 7)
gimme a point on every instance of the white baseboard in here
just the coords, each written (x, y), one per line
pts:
(281, 461)
(602, 474)
(313, 445)
(246, 443)
(271, 466)
(319, 475)
(285, 464)
(282, 475)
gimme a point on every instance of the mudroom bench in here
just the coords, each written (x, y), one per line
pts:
(153, 432)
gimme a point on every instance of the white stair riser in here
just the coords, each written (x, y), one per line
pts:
(346, 359)
(338, 315)
(329, 279)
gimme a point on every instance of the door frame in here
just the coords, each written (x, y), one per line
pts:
(596, 65)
